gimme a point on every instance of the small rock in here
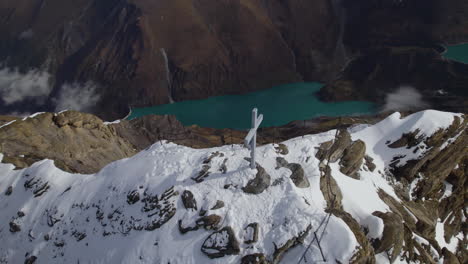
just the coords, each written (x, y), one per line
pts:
(133, 197)
(369, 163)
(14, 227)
(251, 233)
(20, 214)
(209, 222)
(219, 204)
(202, 212)
(189, 200)
(282, 149)
(9, 191)
(221, 243)
(30, 260)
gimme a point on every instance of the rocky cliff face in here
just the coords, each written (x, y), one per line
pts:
(125, 53)
(141, 53)
(383, 193)
(391, 44)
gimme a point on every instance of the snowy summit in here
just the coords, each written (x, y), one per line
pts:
(356, 195)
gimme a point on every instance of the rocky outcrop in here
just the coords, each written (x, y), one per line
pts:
(353, 158)
(350, 154)
(77, 142)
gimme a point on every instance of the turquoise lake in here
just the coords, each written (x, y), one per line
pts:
(458, 53)
(279, 105)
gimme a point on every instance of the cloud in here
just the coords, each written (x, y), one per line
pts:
(16, 86)
(404, 98)
(76, 96)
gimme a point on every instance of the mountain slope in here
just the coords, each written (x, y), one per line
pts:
(369, 193)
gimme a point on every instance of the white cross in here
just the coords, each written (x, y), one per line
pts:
(250, 140)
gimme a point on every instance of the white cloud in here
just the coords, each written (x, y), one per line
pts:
(76, 96)
(404, 98)
(16, 86)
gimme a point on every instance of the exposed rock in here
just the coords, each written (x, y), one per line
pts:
(202, 174)
(353, 158)
(291, 243)
(219, 204)
(260, 183)
(365, 252)
(14, 227)
(257, 258)
(9, 191)
(330, 189)
(185, 229)
(251, 233)
(297, 172)
(209, 222)
(30, 260)
(189, 200)
(392, 237)
(77, 142)
(133, 197)
(449, 257)
(369, 163)
(282, 149)
(160, 209)
(408, 140)
(221, 243)
(333, 150)
(212, 156)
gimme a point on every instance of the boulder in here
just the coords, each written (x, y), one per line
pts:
(189, 200)
(297, 172)
(260, 183)
(221, 243)
(251, 233)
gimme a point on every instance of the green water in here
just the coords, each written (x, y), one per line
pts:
(279, 105)
(458, 53)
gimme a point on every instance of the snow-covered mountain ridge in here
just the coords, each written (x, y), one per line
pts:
(390, 192)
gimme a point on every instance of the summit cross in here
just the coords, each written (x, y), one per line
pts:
(250, 140)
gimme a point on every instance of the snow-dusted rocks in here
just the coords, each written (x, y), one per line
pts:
(221, 243)
(297, 172)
